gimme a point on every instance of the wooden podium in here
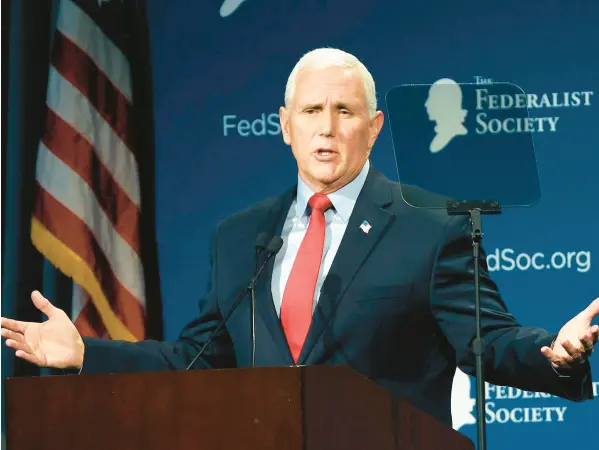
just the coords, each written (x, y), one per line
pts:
(279, 408)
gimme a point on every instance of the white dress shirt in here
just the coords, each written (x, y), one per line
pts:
(296, 225)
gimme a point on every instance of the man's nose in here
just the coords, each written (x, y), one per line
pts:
(328, 123)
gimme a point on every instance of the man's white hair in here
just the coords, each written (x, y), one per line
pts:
(332, 57)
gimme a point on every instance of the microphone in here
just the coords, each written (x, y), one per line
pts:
(262, 242)
(271, 249)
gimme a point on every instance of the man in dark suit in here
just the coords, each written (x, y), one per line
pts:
(362, 279)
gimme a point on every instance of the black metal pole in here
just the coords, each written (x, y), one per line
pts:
(253, 324)
(475, 208)
(478, 344)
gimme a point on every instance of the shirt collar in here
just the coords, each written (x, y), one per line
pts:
(343, 199)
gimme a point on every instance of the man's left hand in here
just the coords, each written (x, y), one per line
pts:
(575, 341)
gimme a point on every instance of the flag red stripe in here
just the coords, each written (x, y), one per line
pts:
(75, 234)
(89, 323)
(80, 70)
(72, 149)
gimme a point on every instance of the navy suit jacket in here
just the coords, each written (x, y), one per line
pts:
(397, 306)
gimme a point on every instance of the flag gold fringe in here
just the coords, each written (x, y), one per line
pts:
(73, 266)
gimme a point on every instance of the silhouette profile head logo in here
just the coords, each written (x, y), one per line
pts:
(444, 106)
(462, 404)
(229, 7)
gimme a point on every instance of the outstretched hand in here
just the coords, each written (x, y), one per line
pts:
(53, 343)
(575, 341)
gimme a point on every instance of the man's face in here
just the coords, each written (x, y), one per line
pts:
(328, 127)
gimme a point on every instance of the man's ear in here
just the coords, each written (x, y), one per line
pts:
(376, 124)
(284, 119)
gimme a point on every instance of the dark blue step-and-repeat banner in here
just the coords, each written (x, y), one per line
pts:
(220, 69)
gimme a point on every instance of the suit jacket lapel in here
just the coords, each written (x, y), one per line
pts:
(355, 248)
(272, 225)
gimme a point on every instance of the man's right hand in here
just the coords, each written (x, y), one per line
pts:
(53, 343)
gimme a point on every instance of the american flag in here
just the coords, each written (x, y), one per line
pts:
(87, 213)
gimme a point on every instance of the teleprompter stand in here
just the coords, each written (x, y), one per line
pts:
(475, 209)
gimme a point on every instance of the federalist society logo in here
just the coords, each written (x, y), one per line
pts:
(504, 404)
(444, 106)
(486, 104)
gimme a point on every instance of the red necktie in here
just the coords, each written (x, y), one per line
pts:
(298, 297)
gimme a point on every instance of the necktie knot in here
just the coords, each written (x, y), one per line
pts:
(320, 202)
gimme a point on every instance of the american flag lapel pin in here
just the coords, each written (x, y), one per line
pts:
(365, 227)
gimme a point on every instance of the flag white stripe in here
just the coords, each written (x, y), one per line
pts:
(75, 109)
(67, 187)
(76, 25)
(79, 301)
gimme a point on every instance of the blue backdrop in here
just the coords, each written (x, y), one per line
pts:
(219, 79)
